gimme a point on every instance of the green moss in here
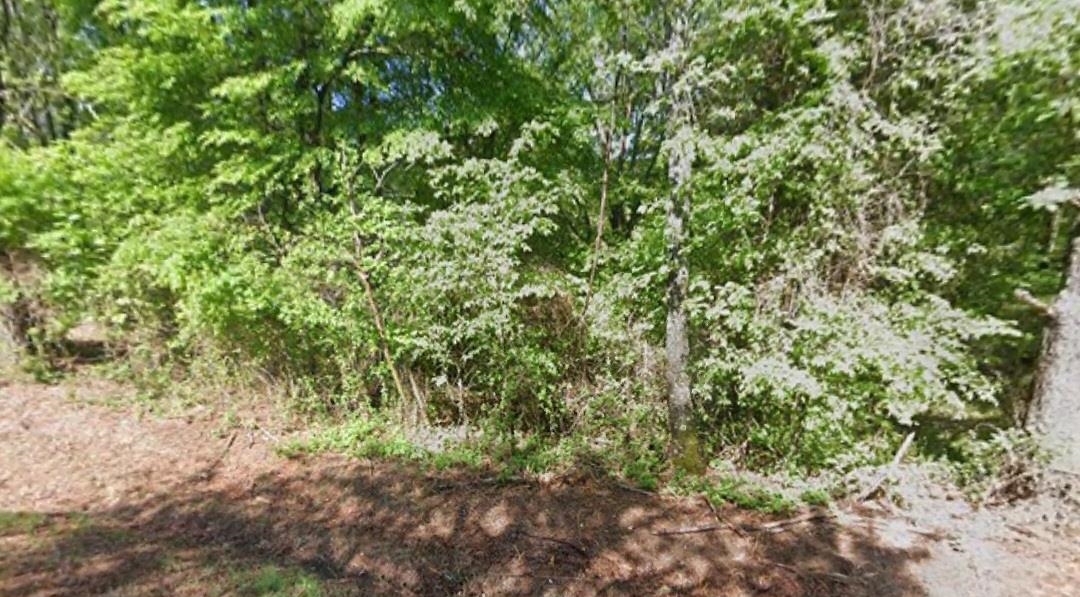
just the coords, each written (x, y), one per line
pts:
(686, 453)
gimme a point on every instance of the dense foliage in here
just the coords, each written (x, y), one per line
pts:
(454, 212)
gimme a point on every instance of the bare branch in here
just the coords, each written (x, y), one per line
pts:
(904, 447)
(1039, 306)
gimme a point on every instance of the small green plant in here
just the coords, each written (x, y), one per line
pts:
(368, 437)
(20, 523)
(229, 421)
(41, 369)
(736, 491)
(815, 497)
(275, 581)
(643, 470)
(465, 455)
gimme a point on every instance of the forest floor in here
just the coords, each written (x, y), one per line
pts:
(96, 498)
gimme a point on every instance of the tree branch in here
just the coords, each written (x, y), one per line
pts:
(1039, 306)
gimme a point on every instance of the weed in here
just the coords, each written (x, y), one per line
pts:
(736, 491)
(461, 455)
(274, 581)
(815, 497)
(369, 437)
(994, 455)
(20, 523)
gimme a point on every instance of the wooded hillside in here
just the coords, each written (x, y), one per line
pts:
(782, 235)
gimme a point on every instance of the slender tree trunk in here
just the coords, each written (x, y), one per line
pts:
(11, 337)
(677, 341)
(600, 215)
(677, 213)
(5, 47)
(1055, 406)
(19, 317)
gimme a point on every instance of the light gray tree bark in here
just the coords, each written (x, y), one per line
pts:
(1055, 406)
(681, 153)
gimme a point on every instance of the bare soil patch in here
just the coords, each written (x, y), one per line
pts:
(96, 500)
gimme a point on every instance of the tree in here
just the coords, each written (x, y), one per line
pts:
(681, 154)
(1056, 401)
(34, 112)
(1016, 241)
(33, 106)
(1054, 411)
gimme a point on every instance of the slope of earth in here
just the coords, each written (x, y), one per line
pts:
(101, 501)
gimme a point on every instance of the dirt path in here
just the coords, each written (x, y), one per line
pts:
(99, 501)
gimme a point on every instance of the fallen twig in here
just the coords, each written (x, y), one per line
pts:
(273, 438)
(1063, 471)
(769, 527)
(904, 447)
(722, 520)
(548, 577)
(209, 470)
(1029, 533)
(872, 524)
(635, 489)
(844, 578)
(687, 531)
(780, 525)
(574, 546)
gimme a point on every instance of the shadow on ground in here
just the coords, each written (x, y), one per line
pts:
(317, 528)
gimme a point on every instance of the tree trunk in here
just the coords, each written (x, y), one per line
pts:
(677, 211)
(18, 316)
(10, 345)
(677, 341)
(1055, 406)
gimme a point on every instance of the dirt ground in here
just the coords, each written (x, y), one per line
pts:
(98, 500)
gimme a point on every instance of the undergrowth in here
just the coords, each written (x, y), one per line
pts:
(276, 581)
(997, 460)
(641, 465)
